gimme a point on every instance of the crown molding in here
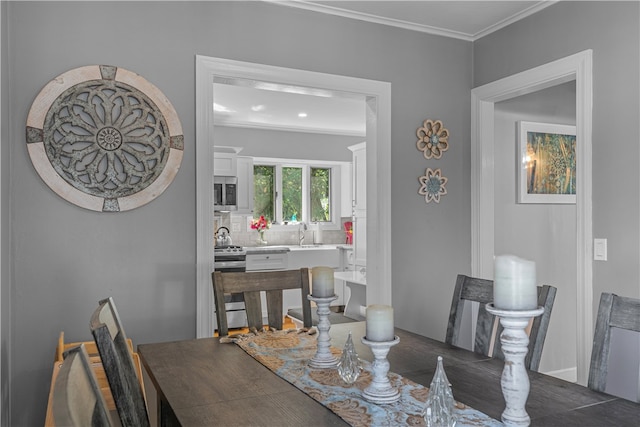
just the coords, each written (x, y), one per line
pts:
(412, 26)
(284, 128)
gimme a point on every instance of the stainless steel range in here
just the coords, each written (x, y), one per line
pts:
(232, 258)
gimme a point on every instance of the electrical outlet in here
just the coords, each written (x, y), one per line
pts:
(235, 227)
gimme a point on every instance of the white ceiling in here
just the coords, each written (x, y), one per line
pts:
(251, 104)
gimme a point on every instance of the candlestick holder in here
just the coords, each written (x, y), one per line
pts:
(515, 380)
(323, 357)
(380, 390)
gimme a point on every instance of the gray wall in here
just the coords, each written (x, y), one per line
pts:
(612, 30)
(284, 144)
(5, 248)
(64, 258)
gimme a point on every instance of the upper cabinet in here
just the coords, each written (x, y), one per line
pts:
(359, 204)
(225, 160)
(359, 175)
(346, 190)
(244, 167)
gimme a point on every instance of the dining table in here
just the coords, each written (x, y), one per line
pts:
(204, 382)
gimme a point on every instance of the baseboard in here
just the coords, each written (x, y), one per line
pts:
(569, 374)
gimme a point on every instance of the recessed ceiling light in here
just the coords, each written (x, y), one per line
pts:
(257, 108)
(302, 115)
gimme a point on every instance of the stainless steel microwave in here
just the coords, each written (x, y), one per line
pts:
(225, 193)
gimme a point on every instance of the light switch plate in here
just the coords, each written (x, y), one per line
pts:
(600, 249)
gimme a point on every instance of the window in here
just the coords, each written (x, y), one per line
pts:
(320, 194)
(293, 191)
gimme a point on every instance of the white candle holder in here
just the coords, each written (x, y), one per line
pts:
(380, 390)
(323, 357)
(515, 380)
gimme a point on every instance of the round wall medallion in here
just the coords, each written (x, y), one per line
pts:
(433, 139)
(432, 185)
(104, 138)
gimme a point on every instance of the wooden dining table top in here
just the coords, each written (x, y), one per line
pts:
(203, 382)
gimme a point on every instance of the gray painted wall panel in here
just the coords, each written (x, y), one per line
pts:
(290, 145)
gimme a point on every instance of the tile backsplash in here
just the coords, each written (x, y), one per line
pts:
(243, 235)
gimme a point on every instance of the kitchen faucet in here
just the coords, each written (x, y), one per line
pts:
(302, 227)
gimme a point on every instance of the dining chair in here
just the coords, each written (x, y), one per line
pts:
(118, 364)
(485, 341)
(77, 399)
(613, 312)
(251, 284)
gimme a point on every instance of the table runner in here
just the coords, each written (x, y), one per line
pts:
(287, 354)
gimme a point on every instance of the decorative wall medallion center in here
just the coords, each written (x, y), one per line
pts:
(109, 138)
(104, 138)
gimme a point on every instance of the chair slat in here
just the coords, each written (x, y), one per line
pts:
(275, 309)
(253, 307)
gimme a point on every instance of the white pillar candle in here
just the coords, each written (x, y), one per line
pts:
(322, 282)
(514, 286)
(379, 325)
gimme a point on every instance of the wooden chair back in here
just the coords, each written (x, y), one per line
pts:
(118, 364)
(613, 312)
(251, 284)
(486, 340)
(77, 399)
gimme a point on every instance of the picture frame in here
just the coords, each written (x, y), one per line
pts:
(546, 163)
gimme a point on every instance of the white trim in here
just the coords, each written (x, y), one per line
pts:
(324, 131)
(576, 67)
(378, 100)
(399, 23)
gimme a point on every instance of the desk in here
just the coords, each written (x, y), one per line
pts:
(202, 382)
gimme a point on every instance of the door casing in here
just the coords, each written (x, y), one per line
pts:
(576, 67)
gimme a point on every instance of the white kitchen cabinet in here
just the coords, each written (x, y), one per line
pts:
(267, 261)
(245, 185)
(225, 164)
(346, 190)
(359, 175)
(359, 204)
(225, 160)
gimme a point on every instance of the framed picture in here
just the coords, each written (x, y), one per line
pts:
(546, 163)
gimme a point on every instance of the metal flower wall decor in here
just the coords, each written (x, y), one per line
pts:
(432, 139)
(432, 185)
(104, 138)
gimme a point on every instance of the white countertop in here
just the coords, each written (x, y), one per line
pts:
(351, 276)
(265, 249)
(287, 248)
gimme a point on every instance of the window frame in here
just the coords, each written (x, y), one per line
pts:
(335, 222)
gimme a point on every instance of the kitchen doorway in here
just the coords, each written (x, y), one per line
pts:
(576, 67)
(378, 136)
